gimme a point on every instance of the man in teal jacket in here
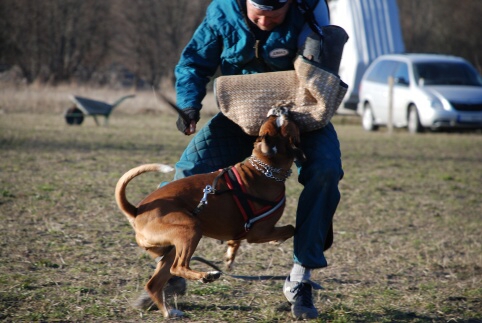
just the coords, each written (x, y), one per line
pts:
(256, 36)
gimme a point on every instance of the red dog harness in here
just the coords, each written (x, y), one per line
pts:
(244, 201)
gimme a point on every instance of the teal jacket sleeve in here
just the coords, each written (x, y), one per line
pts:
(198, 63)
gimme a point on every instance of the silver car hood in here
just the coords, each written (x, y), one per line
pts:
(472, 94)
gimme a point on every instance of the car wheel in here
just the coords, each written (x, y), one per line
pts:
(368, 122)
(414, 125)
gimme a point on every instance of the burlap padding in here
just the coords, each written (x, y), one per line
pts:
(312, 94)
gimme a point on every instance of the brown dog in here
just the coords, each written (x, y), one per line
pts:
(170, 222)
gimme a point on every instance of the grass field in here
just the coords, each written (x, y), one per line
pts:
(408, 242)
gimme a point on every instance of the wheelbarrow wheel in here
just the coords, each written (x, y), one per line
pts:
(73, 116)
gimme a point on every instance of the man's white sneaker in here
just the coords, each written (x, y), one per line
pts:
(299, 294)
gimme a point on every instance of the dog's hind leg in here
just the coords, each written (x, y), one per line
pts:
(233, 246)
(185, 245)
(155, 285)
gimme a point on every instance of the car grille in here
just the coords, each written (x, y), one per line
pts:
(467, 106)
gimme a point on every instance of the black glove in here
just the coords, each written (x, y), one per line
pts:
(189, 114)
(325, 51)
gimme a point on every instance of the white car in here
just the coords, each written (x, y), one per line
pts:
(430, 91)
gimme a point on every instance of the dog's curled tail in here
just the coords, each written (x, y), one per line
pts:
(129, 210)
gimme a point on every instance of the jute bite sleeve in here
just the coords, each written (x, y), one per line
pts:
(312, 94)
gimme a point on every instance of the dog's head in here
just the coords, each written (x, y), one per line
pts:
(279, 137)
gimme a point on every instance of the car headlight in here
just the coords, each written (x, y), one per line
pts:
(436, 104)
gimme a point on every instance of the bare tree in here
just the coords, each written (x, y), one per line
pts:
(443, 26)
(52, 40)
(157, 31)
(60, 40)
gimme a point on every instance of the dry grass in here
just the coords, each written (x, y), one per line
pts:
(407, 246)
(38, 99)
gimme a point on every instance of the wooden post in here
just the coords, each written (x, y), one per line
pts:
(390, 105)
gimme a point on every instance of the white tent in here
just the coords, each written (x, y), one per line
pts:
(374, 30)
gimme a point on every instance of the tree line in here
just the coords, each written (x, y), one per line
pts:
(139, 41)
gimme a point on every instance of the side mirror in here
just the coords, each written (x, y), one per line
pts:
(401, 81)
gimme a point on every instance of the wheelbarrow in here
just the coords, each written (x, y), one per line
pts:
(87, 107)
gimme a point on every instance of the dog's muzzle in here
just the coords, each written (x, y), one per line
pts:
(281, 113)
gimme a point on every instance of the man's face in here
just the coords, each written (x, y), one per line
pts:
(267, 20)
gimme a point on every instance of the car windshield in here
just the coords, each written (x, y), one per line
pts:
(445, 73)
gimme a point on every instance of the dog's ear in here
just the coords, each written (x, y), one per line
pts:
(295, 149)
(299, 154)
(291, 131)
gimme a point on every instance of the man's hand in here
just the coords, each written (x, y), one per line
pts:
(191, 129)
(188, 128)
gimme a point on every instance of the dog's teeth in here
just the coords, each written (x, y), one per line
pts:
(272, 112)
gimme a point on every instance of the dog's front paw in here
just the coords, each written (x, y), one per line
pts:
(211, 276)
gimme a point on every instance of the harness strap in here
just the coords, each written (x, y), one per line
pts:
(309, 15)
(209, 189)
(251, 221)
(243, 200)
(241, 190)
(239, 197)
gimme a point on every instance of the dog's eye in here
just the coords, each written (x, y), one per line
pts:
(260, 138)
